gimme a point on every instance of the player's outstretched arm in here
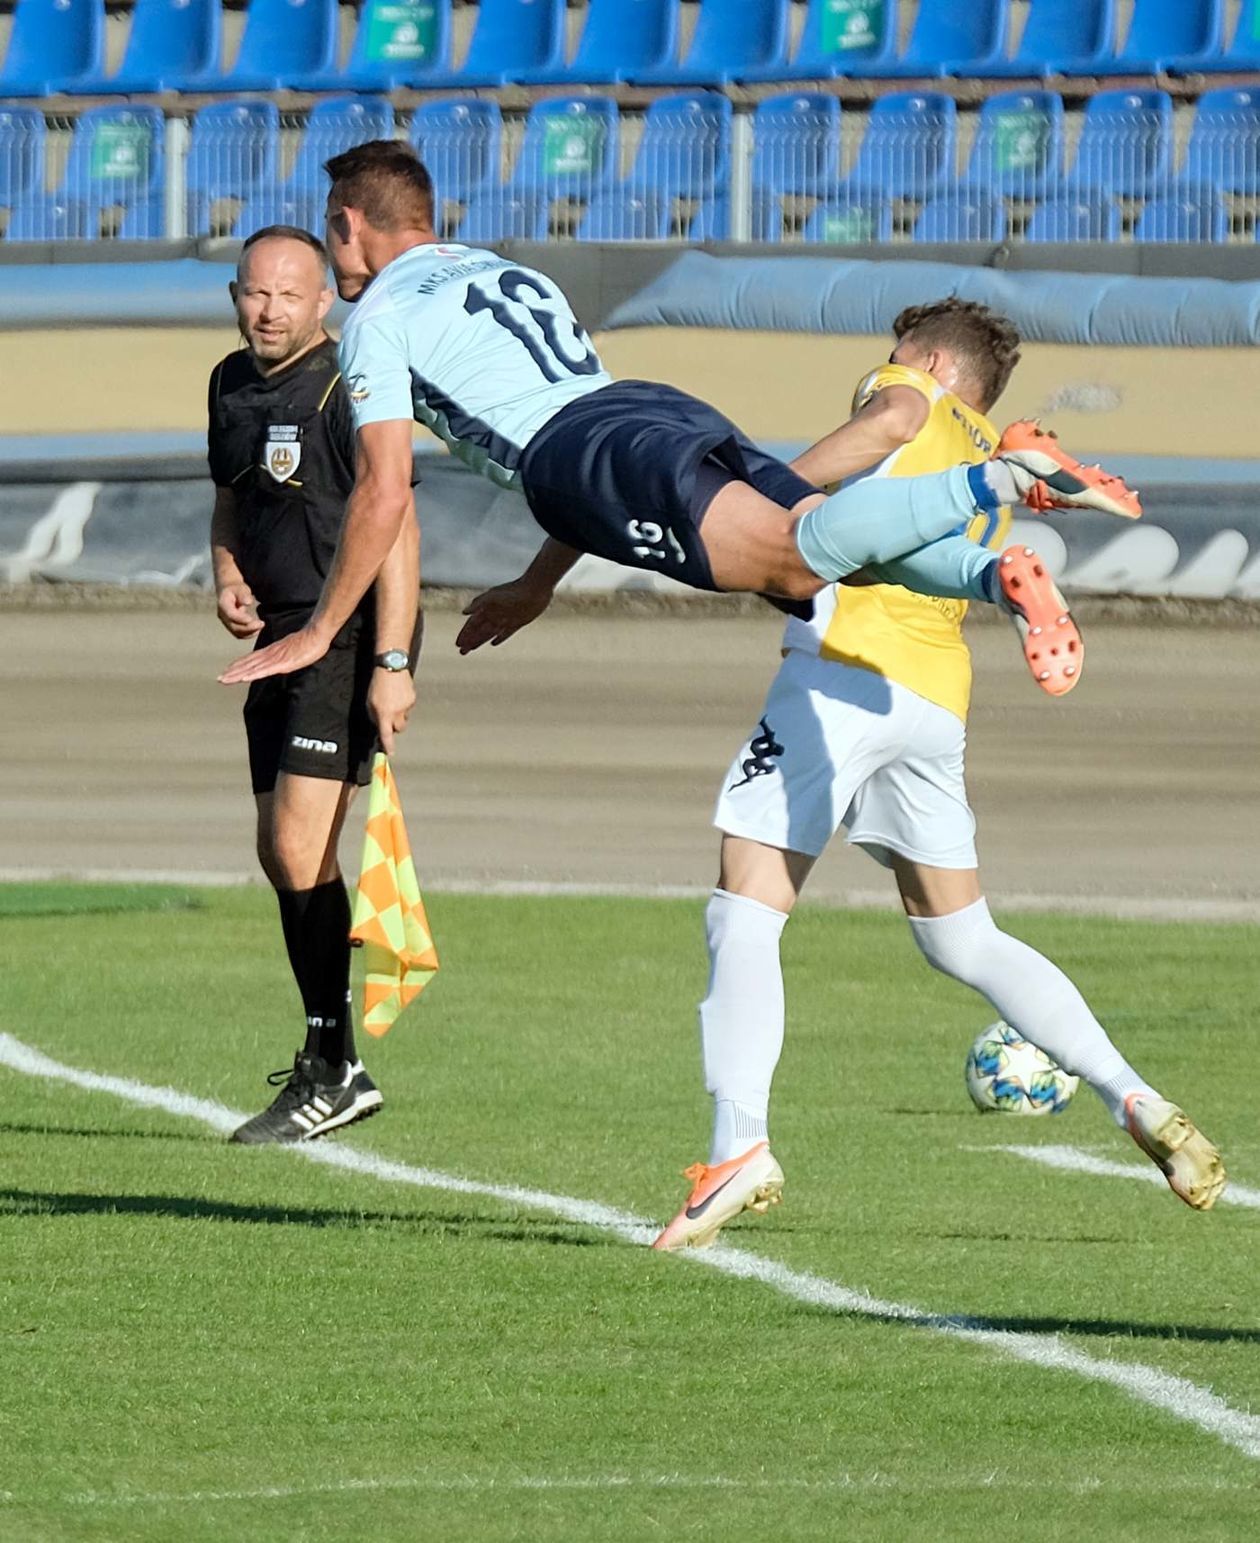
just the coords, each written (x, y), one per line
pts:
(379, 503)
(884, 423)
(497, 613)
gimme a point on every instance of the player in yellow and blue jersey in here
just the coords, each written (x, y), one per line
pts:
(865, 727)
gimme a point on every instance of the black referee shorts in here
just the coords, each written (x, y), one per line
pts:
(627, 472)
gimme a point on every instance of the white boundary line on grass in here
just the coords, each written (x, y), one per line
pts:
(1074, 1160)
(1119, 907)
(1175, 1396)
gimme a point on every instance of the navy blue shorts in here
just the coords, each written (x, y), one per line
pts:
(628, 471)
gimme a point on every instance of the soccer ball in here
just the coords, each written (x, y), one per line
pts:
(1007, 1073)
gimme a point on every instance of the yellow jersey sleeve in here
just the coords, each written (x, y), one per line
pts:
(894, 375)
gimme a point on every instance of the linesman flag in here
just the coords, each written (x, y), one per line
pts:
(388, 919)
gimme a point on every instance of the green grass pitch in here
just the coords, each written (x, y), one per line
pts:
(206, 1342)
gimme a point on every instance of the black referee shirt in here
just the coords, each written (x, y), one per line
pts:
(284, 445)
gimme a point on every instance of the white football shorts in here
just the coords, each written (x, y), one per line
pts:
(836, 746)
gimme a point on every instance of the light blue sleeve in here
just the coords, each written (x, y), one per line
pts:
(374, 365)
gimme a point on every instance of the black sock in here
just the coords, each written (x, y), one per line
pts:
(316, 925)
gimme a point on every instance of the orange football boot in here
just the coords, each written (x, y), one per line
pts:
(1053, 646)
(751, 1182)
(1050, 478)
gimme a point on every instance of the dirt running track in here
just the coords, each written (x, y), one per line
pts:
(588, 751)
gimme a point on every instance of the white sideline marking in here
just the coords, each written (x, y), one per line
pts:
(1176, 1396)
(1074, 1160)
(1119, 907)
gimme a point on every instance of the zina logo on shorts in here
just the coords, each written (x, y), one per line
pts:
(283, 452)
(759, 762)
(321, 746)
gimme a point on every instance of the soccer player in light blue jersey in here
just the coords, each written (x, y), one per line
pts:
(490, 356)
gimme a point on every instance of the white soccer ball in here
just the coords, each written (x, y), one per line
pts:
(1006, 1073)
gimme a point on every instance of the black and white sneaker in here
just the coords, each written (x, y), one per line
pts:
(315, 1099)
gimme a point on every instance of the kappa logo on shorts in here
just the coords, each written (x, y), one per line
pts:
(763, 750)
(320, 746)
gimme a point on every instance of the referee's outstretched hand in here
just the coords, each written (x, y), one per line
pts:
(496, 614)
(292, 653)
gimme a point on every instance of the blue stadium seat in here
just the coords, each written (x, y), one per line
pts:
(396, 43)
(282, 40)
(144, 221)
(499, 215)
(52, 44)
(618, 214)
(1125, 146)
(22, 138)
(1163, 32)
(843, 221)
(232, 152)
(684, 151)
(961, 217)
(619, 38)
(733, 40)
(459, 141)
(1018, 148)
(1074, 219)
(1224, 147)
(839, 37)
(1241, 56)
(334, 125)
(169, 40)
(279, 206)
(116, 160)
(908, 148)
(570, 148)
(949, 36)
(49, 219)
(1060, 36)
(711, 220)
(796, 143)
(510, 39)
(1186, 214)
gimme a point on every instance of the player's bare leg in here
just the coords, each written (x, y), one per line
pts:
(951, 924)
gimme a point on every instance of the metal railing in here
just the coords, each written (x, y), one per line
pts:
(579, 169)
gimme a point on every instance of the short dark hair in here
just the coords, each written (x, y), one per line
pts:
(985, 341)
(387, 181)
(287, 233)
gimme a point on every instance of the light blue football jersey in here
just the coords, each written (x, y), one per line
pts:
(480, 350)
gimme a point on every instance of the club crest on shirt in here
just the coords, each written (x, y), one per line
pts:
(283, 451)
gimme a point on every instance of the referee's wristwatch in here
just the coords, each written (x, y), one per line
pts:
(393, 660)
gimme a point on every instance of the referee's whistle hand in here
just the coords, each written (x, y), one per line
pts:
(281, 658)
(238, 612)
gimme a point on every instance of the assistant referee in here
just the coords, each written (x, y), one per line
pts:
(282, 456)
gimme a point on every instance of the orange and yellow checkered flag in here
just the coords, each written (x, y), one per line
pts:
(388, 919)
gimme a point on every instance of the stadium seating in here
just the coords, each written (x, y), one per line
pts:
(1125, 146)
(396, 43)
(144, 221)
(510, 39)
(279, 206)
(1188, 214)
(53, 43)
(949, 36)
(847, 222)
(1017, 151)
(570, 148)
(1060, 36)
(1163, 31)
(684, 151)
(622, 215)
(619, 39)
(734, 39)
(1241, 56)
(50, 219)
(283, 40)
(116, 161)
(796, 151)
(711, 220)
(232, 153)
(908, 148)
(839, 37)
(1074, 219)
(169, 41)
(500, 215)
(460, 143)
(961, 217)
(1224, 148)
(334, 125)
(22, 139)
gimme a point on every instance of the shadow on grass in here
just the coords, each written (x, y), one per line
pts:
(48, 1128)
(23, 1202)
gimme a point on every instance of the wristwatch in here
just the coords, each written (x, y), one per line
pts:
(393, 660)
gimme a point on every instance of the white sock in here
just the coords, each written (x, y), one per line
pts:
(1033, 995)
(741, 1018)
(1002, 482)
